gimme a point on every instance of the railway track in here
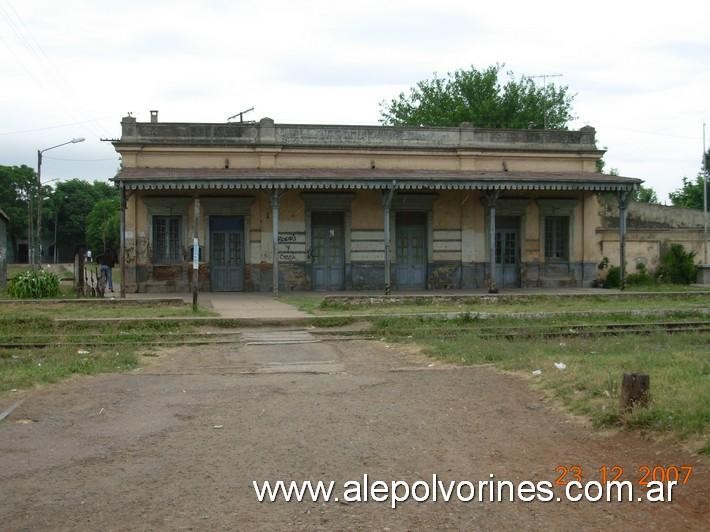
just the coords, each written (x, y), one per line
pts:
(560, 331)
(228, 337)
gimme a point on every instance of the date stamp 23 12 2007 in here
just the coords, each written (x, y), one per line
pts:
(615, 473)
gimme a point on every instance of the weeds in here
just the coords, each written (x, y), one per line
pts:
(33, 284)
(67, 349)
(678, 364)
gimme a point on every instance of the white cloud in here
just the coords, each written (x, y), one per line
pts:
(640, 74)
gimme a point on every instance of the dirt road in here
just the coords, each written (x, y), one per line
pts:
(176, 444)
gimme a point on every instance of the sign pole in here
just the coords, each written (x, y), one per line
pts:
(705, 197)
(195, 255)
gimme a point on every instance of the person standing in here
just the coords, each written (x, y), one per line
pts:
(107, 260)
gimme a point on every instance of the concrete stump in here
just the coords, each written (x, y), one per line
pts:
(634, 391)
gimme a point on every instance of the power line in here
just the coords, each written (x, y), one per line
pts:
(38, 55)
(36, 49)
(83, 160)
(18, 132)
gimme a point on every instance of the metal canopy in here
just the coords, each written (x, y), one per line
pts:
(352, 179)
(401, 185)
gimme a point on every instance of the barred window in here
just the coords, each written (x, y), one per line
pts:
(166, 239)
(557, 238)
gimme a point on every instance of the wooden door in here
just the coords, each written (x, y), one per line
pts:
(411, 248)
(227, 253)
(508, 251)
(328, 251)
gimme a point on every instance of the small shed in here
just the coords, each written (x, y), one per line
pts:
(3, 247)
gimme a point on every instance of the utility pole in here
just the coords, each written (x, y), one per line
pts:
(56, 224)
(705, 196)
(38, 239)
(38, 243)
(30, 229)
(544, 84)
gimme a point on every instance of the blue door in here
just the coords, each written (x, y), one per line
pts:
(411, 246)
(328, 251)
(508, 251)
(227, 253)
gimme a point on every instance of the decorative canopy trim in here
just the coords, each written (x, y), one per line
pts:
(400, 185)
(352, 179)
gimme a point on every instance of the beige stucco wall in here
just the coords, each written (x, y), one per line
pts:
(459, 227)
(647, 245)
(221, 157)
(367, 211)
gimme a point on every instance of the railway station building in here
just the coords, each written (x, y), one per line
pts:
(342, 207)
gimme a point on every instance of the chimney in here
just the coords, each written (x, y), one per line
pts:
(153, 116)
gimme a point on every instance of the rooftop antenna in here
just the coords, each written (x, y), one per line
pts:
(544, 84)
(240, 114)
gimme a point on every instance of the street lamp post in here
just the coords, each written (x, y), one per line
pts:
(37, 244)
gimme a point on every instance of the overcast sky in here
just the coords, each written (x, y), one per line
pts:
(641, 73)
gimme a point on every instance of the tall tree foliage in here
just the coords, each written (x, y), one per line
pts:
(103, 225)
(645, 195)
(16, 183)
(690, 194)
(68, 205)
(73, 201)
(482, 98)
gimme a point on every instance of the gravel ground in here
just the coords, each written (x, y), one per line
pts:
(176, 444)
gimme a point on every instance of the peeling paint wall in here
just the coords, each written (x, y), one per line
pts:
(651, 229)
(265, 157)
(648, 245)
(457, 242)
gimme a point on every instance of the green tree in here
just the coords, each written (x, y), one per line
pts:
(73, 200)
(690, 194)
(103, 225)
(482, 98)
(645, 195)
(16, 183)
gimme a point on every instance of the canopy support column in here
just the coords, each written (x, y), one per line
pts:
(623, 204)
(275, 197)
(490, 198)
(387, 204)
(122, 251)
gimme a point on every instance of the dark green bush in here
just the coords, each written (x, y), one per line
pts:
(677, 266)
(33, 284)
(641, 277)
(613, 278)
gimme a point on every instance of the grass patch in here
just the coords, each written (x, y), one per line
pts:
(679, 366)
(332, 322)
(471, 322)
(667, 287)
(536, 303)
(105, 309)
(25, 367)
(303, 302)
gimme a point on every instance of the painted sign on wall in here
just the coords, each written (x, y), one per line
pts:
(287, 238)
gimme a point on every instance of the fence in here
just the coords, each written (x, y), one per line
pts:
(87, 278)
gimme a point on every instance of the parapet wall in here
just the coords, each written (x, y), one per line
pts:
(648, 216)
(267, 133)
